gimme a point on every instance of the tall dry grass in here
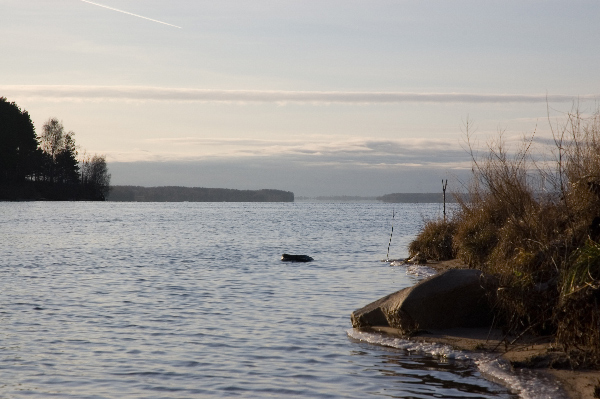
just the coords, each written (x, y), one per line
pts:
(529, 219)
(434, 242)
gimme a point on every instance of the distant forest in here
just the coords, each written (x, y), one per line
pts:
(45, 167)
(196, 194)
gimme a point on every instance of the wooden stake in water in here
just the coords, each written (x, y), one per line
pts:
(390, 243)
(444, 185)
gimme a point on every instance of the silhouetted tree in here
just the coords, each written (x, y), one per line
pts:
(60, 147)
(67, 166)
(18, 144)
(95, 177)
(45, 167)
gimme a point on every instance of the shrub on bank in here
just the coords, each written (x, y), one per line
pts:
(532, 219)
(434, 241)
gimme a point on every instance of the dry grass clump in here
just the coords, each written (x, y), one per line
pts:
(532, 219)
(577, 310)
(434, 241)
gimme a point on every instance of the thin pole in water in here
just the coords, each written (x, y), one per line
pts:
(444, 185)
(390, 243)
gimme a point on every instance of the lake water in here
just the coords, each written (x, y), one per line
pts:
(191, 300)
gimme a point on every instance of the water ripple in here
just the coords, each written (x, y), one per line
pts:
(139, 300)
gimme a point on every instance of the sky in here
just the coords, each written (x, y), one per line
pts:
(316, 97)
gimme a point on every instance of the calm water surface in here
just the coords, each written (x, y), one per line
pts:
(190, 300)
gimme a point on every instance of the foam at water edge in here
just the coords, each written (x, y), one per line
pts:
(422, 271)
(526, 383)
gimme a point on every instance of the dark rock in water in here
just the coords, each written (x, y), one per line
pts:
(296, 258)
(454, 298)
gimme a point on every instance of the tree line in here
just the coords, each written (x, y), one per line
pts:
(45, 166)
(196, 194)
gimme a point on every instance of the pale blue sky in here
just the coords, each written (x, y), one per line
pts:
(288, 94)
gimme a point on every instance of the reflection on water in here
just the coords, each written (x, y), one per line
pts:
(529, 384)
(418, 376)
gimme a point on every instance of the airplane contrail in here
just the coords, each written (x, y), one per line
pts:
(129, 13)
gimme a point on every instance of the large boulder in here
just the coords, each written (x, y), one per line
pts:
(454, 298)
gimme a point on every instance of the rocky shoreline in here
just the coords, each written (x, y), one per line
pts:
(396, 314)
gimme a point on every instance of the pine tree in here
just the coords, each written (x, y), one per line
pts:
(18, 143)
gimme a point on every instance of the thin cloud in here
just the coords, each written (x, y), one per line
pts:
(129, 13)
(146, 93)
(352, 151)
(320, 145)
(335, 152)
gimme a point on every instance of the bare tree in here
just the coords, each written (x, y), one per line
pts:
(52, 139)
(95, 177)
(60, 146)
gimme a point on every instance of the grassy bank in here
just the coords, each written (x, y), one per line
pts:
(532, 219)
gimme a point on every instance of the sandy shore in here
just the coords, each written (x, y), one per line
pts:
(578, 384)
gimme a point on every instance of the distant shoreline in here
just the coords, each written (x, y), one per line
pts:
(126, 193)
(203, 194)
(399, 198)
(195, 194)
